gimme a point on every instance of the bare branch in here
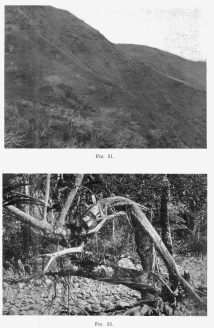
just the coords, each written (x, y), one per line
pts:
(34, 223)
(55, 255)
(105, 218)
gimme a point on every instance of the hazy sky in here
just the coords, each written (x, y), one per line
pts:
(179, 30)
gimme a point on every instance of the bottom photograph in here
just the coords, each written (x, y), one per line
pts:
(104, 244)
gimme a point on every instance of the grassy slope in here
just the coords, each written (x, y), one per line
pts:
(56, 61)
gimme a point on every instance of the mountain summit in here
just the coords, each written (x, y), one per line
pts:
(67, 86)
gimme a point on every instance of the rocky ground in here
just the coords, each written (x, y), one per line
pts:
(43, 296)
(46, 296)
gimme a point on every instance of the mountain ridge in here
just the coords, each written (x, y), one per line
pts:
(123, 95)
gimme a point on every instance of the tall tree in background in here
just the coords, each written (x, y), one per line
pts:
(164, 217)
(165, 225)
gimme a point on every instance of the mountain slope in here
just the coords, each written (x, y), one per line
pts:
(67, 86)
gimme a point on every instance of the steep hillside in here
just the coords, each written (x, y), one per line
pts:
(170, 65)
(67, 86)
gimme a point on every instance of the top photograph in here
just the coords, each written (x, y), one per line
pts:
(103, 76)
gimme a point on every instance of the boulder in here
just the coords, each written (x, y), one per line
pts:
(139, 267)
(23, 312)
(145, 309)
(136, 313)
(48, 282)
(126, 263)
(168, 310)
(13, 311)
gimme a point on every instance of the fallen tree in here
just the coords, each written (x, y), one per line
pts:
(104, 210)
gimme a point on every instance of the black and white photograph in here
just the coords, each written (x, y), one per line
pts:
(103, 74)
(104, 245)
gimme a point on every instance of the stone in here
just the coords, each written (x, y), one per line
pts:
(13, 311)
(38, 282)
(110, 306)
(145, 309)
(102, 313)
(177, 312)
(138, 267)
(30, 312)
(5, 308)
(10, 294)
(122, 304)
(27, 307)
(36, 312)
(76, 285)
(82, 302)
(37, 307)
(48, 282)
(136, 313)
(76, 311)
(126, 263)
(37, 298)
(138, 296)
(21, 285)
(116, 297)
(83, 285)
(168, 310)
(5, 285)
(7, 304)
(30, 300)
(105, 303)
(85, 280)
(43, 310)
(88, 308)
(23, 312)
(95, 308)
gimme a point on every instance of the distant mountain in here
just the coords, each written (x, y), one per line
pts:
(67, 86)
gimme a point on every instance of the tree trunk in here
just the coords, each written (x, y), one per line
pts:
(47, 191)
(141, 224)
(35, 211)
(70, 199)
(143, 247)
(165, 225)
